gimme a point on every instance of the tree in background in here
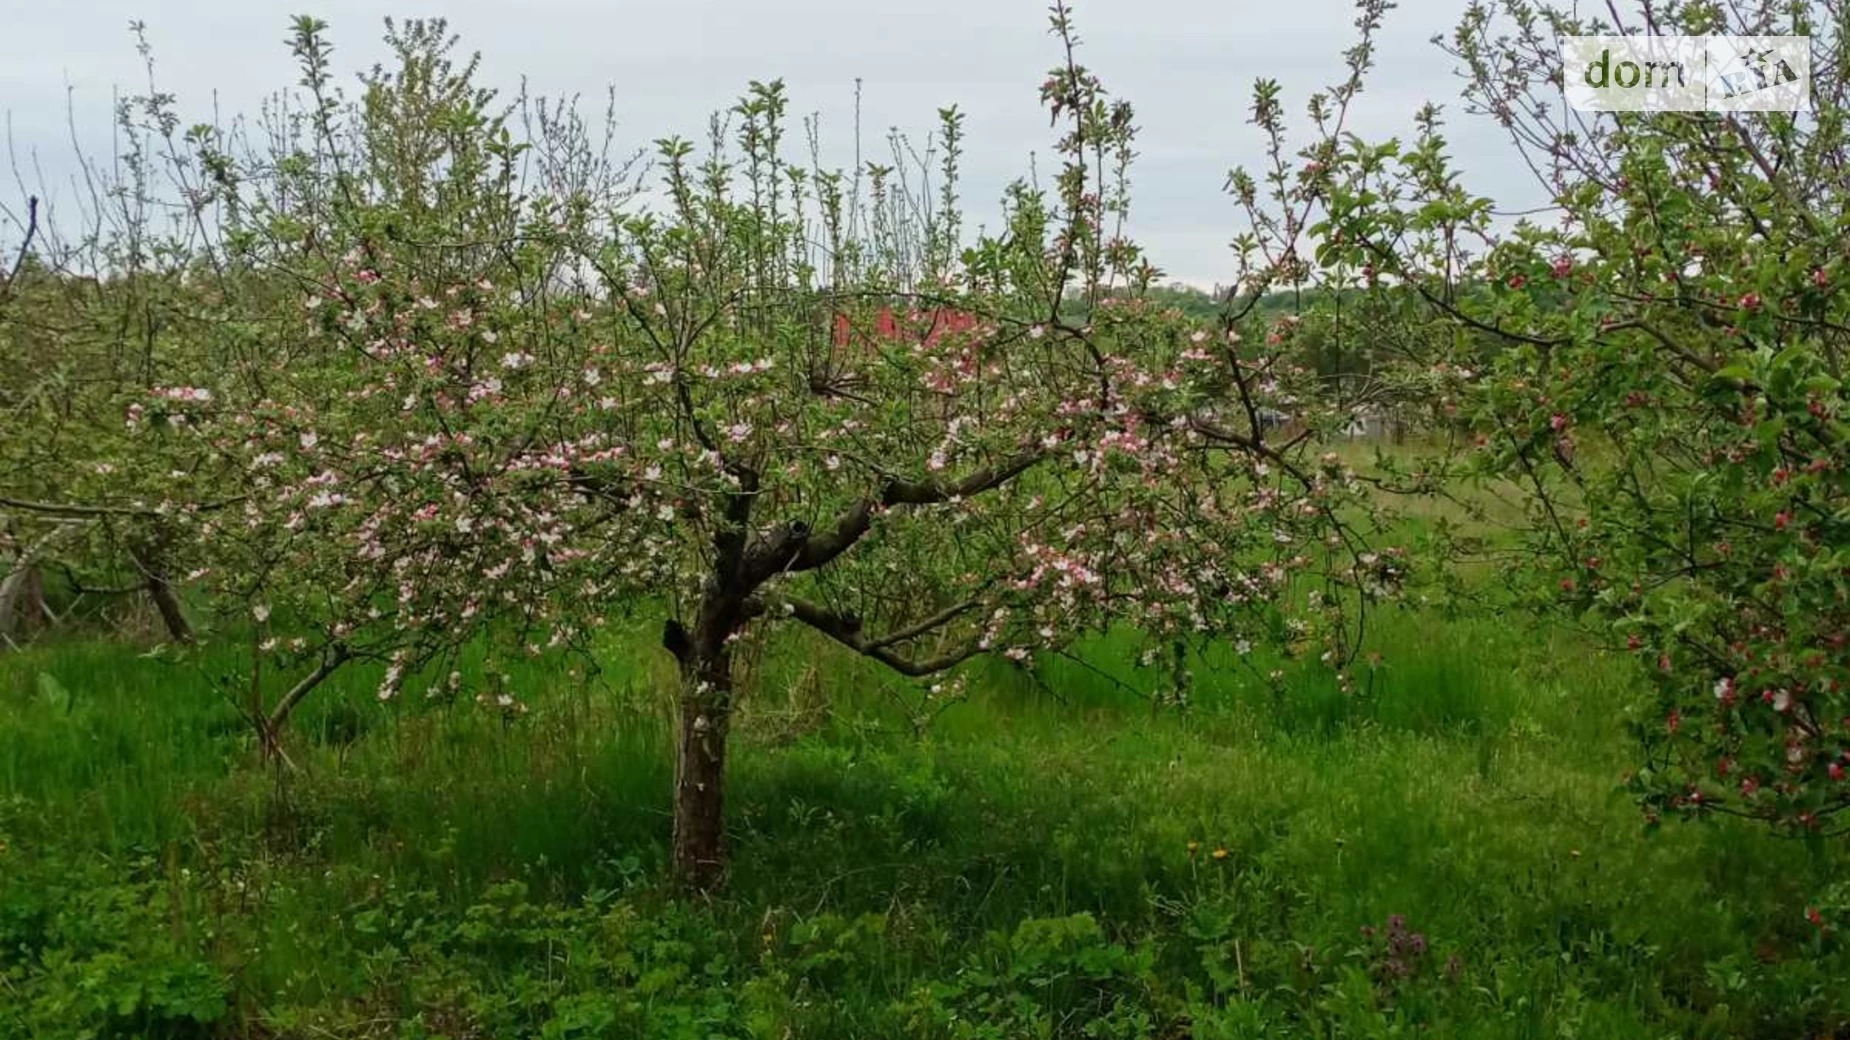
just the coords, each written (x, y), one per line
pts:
(93, 318)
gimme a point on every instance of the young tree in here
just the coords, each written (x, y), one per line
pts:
(448, 382)
(485, 408)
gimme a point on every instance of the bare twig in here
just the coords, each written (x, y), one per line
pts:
(25, 246)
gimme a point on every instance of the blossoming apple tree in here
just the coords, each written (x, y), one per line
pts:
(452, 385)
(1660, 368)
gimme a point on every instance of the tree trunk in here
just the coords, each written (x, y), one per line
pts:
(705, 715)
(700, 777)
(160, 590)
(168, 603)
(270, 724)
(22, 601)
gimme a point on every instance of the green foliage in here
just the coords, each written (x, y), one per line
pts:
(1659, 371)
(438, 380)
(420, 390)
(446, 872)
(92, 949)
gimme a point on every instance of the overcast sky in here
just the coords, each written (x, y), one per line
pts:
(1187, 65)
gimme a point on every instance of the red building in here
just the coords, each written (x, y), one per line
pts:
(916, 326)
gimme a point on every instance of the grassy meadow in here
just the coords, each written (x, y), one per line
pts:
(402, 368)
(1443, 853)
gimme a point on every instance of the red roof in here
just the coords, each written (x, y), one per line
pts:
(920, 326)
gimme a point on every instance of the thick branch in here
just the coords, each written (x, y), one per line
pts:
(1252, 445)
(730, 538)
(793, 548)
(847, 632)
(72, 509)
(941, 618)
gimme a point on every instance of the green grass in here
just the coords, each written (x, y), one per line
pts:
(1023, 868)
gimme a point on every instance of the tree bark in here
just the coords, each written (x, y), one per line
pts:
(168, 603)
(161, 591)
(22, 601)
(270, 725)
(700, 777)
(705, 717)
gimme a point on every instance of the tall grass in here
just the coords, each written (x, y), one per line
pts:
(446, 869)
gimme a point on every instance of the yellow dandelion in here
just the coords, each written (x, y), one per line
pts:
(1220, 853)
